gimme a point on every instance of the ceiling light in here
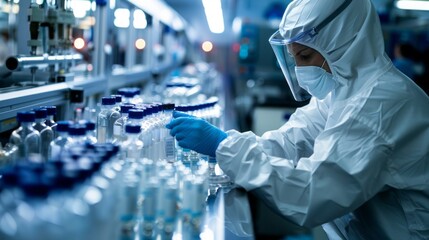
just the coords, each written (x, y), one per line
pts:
(413, 5)
(214, 15)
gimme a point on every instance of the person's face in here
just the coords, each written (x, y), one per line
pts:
(306, 56)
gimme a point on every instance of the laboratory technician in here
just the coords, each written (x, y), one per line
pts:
(356, 158)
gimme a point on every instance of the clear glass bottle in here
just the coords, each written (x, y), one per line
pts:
(156, 124)
(119, 135)
(105, 120)
(46, 133)
(118, 101)
(91, 135)
(137, 99)
(169, 152)
(57, 146)
(146, 135)
(127, 95)
(76, 136)
(135, 116)
(26, 138)
(50, 119)
(38, 217)
(131, 153)
(132, 147)
(216, 177)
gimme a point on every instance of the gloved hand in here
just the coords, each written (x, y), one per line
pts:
(195, 133)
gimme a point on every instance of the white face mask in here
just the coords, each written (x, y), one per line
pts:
(315, 80)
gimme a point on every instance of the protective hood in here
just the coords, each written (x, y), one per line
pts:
(352, 42)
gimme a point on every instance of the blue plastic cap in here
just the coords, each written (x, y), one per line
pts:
(118, 98)
(132, 128)
(33, 186)
(63, 126)
(9, 176)
(156, 108)
(168, 106)
(135, 114)
(137, 91)
(126, 108)
(77, 130)
(101, 2)
(90, 125)
(52, 110)
(64, 181)
(41, 113)
(108, 101)
(29, 116)
(128, 94)
(121, 91)
(148, 110)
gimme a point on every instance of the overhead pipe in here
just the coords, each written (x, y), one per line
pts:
(18, 63)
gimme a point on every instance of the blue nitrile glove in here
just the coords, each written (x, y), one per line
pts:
(196, 133)
(177, 114)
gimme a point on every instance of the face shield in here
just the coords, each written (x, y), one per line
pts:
(286, 60)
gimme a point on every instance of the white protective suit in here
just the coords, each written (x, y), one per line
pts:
(357, 161)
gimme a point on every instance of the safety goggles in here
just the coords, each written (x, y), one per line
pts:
(287, 61)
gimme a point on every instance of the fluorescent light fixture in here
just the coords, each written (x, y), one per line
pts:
(122, 18)
(214, 15)
(80, 8)
(162, 11)
(112, 4)
(139, 21)
(413, 5)
(236, 25)
(178, 23)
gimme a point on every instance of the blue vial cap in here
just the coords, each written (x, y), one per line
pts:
(118, 98)
(41, 113)
(212, 159)
(55, 164)
(194, 107)
(182, 108)
(9, 176)
(135, 114)
(108, 101)
(149, 110)
(77, 130)
(168, 106)
(29, 116)
(134, 90)
(63, 126)
(126, 108)
(52, 110)
(132, 128)
(156, 108)
(121, 91)
(64, 181)
(128, 94)
(90, 125)
(32, 186)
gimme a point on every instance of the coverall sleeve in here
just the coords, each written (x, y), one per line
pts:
(347, 167)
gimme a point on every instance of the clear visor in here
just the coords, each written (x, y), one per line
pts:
(287, 64)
